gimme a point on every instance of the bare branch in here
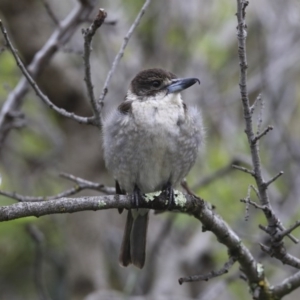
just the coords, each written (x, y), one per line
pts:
(278, 251)
(276, 236)
(282, 228)
(273, 228)
(88, 35)
(257, 99)
(287, 286)
(255, 190)
(121, 52)
(211, 274)
(217, 174)
(183, 202)
(81, 184)
(86, 184)
(41, 95)
(254, 204)
(273, 179)
(51, 13)
(243, 169)
(247, 201)
(72, 50)
(59, 37)
(260, 135)
(260, 115)
(289, 230)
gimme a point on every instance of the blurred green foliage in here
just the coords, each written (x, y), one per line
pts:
(8, 74)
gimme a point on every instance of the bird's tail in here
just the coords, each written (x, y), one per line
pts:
(133, 249)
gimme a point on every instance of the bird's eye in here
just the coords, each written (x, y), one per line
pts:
(156, 83)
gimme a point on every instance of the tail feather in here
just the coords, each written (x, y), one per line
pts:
(125, 255)
(133, 249)
(138, 240)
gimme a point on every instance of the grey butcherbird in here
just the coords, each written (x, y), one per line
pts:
(150, 143)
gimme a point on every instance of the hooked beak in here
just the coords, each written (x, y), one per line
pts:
(179, 84)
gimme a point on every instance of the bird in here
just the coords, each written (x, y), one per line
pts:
(150, 143)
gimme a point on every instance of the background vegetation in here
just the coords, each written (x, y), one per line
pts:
(195, 38)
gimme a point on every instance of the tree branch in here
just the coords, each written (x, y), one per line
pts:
(59, 37)
(273, 179)
(260, 135)
(50, 12)
(243, 169)
(41, 95)
(88, 35)
(274, 224)
(287, 286)
(81, 184)
(185, 203)
(211, 274)
(121, 52)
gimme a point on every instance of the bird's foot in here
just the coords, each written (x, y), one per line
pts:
(168, 189)
(137, 197)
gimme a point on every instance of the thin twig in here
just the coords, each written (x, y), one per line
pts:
(243, 169)
(289, 230)
(51, 12)
(89, 184)
(211, 274)
(72, 50)
(186, 187)
(246, 201)
(23, 198)
(217, 174)
(254, 204)
(257, 99)
(260, 135)
(273, 179)
(278, 251)
(282, 228)
(41, 95)
(260, 115)
(121, 52)
(255, 190)
(88, 35)
(81, 184)
(276, 236)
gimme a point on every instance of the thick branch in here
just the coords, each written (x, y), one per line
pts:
(185, 203)
(287, 286)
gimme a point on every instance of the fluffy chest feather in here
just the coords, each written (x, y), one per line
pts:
(159, 116)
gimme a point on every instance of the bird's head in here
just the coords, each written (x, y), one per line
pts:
(152, 83)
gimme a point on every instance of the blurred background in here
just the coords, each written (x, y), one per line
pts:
(194, 38)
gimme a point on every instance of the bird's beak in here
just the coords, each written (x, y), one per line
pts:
(179, 84)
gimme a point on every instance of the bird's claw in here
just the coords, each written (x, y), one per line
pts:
(170, 195)
(137, 197)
